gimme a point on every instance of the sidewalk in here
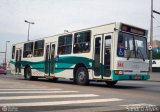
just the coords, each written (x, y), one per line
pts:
(155, 76)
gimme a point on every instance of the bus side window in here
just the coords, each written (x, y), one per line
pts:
(28, 50)
(13, 52)
(39, 48)
(65, 44)
(82, 42)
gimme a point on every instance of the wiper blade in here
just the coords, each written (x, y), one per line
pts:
(139, 52)
(128, 52)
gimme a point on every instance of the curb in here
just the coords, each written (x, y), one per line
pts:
(153, 80)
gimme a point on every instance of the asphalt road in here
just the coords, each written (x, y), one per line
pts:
(19, 95)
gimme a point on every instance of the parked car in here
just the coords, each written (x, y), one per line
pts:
(2, 70)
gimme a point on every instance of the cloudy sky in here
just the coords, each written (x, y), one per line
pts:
(54, 16)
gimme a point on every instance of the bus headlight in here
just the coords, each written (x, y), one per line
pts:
(118, 72)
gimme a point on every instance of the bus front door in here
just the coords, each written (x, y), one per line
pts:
(49, 59)
(102, 56)
(18, 61)
(107, 56)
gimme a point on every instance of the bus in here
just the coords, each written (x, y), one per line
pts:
(156, 60)
(156, 65)
(109, 53)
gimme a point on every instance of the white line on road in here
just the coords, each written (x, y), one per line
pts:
(17, 92)
(138, 104)
(61, 102)
(30, 89)
(47, 96)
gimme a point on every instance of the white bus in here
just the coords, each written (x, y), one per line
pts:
(108, 53)
(156, 65)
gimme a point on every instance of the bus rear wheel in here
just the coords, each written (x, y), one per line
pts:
(54, 79)
(28, 74)
(82, 76)
(111, 83)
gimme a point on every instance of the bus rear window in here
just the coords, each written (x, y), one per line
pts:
(82, 42)
(39, 48)
(28, 50)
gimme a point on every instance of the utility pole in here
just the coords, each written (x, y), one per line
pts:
(151, 34)
(151, 37)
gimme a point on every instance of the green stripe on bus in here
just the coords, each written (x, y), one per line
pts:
(64, 62)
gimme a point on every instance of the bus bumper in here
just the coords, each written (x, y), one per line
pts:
(130, 77)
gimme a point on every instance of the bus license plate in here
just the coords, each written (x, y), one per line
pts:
(137, 77)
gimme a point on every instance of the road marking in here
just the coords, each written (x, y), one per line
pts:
(138, 104)
(15, 92)
(29, 89)
(47, 96)
(61, 102)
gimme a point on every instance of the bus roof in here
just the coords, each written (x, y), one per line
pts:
(117, 24)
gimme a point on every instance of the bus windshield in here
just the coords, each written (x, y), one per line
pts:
(131, 46)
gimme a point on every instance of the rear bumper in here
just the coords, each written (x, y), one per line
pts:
(130, 77)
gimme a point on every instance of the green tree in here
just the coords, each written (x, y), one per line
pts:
(155, 55)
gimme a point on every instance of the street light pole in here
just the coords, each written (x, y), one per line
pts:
(5, 60)
(28, 27)
(151, 37)
(28, 31)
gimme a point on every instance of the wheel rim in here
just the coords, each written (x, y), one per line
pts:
(81, 76)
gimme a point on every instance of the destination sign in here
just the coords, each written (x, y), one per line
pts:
(132, 30)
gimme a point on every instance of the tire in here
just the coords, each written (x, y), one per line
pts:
(111, 83)
(81, 76)
(28, 74)
(54, 79)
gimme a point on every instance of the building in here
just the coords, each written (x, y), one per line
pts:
(156, 44)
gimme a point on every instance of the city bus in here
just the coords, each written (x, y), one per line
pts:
(156, 60)
(109, 53)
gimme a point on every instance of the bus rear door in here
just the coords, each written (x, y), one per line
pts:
(18, 60)
(49, 59)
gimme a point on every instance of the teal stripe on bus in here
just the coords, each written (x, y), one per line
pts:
(63, 63)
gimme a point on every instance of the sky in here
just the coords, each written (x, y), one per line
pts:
(54, 16)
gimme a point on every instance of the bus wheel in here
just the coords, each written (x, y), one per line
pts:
(111, 83)
(28, 74)
(54, 79)
(82, 76)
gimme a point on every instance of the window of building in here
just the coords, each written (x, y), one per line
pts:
(13, 52)
(65, 44)
(28, 50)
(82, 42)
(39, 48)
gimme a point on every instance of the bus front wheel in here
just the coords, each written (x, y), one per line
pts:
(82, 76)
(111, 83)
